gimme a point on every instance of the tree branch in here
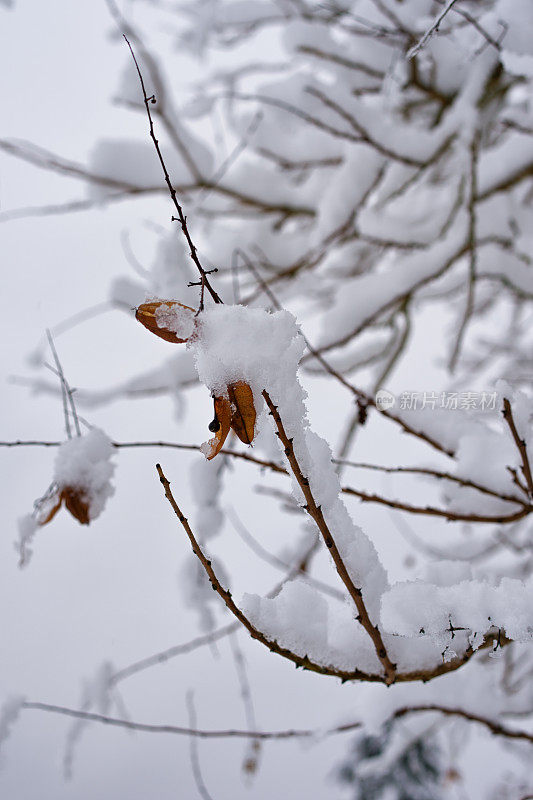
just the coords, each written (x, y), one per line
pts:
(493, 727)
(520, 444)
(315, 512)
(181, 218)
(188, 731)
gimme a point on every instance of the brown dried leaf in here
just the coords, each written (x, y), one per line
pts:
(46, 515)
(76, 502)
(242, 411)
(146, 314)
(220, 427)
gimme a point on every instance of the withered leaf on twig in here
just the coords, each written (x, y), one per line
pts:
(77, 504)
(236, 411)
(220, 426)
(75, 501)
(168, 319)
(49, 508)
(242, 411)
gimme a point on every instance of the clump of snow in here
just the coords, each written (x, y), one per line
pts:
(297, 617)
(302, 620)
(482, 455)
(234, 343)
(84, 463)
(422, 609)
(27, 527)
(175, 318)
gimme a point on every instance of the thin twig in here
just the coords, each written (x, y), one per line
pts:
(433, 473)
(433, 28)
(472, 248)
(479, 28)
(158, 82)
(66, 391)
(494, 727)
(520, 444)
(181, 217)
(230, 733)
(172, 652)
(251, 758)
(291, 733)
(193, 749)
(430, 511)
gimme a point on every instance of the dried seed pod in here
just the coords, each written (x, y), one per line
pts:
(168, 319)
(77, 504)
(220, 426)
(242, 411)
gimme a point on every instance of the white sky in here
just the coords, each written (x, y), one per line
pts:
(110, 591)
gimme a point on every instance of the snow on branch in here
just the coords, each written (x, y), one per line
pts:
(418, 609)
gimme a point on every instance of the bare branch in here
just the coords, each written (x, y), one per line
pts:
(433, 28)
(65, 390)
(451, 516)
(181, 218)
(433, 473)
(193, 749)
(494, 727)
(520, 444)
(188, 731)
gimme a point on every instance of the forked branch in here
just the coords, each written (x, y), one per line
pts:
(520, 444)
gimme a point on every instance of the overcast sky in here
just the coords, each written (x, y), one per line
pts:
(110, 592)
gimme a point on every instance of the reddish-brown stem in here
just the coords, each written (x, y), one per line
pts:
(434, 473)
(315, 512)
(429, 511)
(451, 516)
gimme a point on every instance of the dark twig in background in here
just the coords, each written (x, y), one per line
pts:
(193, 749)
